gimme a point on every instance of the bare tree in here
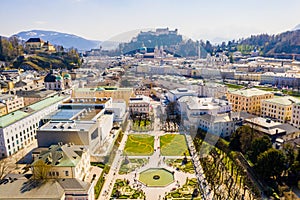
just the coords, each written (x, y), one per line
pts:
(3, 168)
(40, 170)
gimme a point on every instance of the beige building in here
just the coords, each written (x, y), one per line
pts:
(66, 161)
(139, 105)
(247, 77)
(33, 96)
(142, 91)
(37, 44)
(279, 109)
(12, 102)
(248, 100)
(295, 121)
(3, 110)
(113, 92)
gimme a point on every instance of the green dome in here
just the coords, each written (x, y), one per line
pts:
(67, 76)
(143, 48)
(100, 89)
(58, 78)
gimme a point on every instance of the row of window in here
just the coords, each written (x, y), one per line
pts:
(19, 147)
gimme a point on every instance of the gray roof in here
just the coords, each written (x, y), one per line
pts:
(23, 189)
(72, 184)
(34, 40)
(36, 94)
(250, 92)
(288, 128)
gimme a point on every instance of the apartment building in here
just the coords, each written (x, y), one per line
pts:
(33, 96)
(139, 105)
(12, 102)
(279, 109)
(113, 92)
(248, 100)
(3, 110)
(66, 161)
(295, 119)
(214, 90)
(18, 128)
(142, 91)
(209, 114)
(223, 124)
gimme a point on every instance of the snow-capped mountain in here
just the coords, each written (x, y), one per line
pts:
(58, 38)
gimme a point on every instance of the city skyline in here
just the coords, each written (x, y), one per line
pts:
(103, 20)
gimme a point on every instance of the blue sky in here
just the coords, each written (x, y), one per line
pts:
(105, 19)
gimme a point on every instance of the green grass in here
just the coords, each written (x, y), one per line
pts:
(100, 182)
(139, 145)
(233, 86)
(177, 163)
(186, 191)
(268, 89)
(165, 177)
(173, 145)
(131, 164)
(122, 190)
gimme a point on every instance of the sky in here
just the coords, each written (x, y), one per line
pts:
(110, 19)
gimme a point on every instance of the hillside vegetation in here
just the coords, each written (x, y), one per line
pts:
(12, 53)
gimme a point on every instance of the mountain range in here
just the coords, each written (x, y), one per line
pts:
(58, 38)
(297, 27)
(268, 43)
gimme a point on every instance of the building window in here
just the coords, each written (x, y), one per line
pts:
(67, 173)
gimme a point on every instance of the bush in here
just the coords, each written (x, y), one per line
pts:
(176, 195)
(101, 181)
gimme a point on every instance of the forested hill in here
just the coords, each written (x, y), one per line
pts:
(287, 42)
(268, 45)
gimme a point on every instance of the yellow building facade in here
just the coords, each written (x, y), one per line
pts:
(248, 100)
(279, 109)
(248, 77)
(113, 92)
(3, 110)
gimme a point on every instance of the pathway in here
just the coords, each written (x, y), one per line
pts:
(204, 186)
(155, 161)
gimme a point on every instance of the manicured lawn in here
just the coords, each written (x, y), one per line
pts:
(139, 145)
(129, 165)
(234, 86)
(173, 145)
(156, 177)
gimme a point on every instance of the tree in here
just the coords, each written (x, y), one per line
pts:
(270, 163)
(40, 170)
(289, 152)
(231, 58)
(241, 139)
(258, 145)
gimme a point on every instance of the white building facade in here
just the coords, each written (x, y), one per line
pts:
(18, 129)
